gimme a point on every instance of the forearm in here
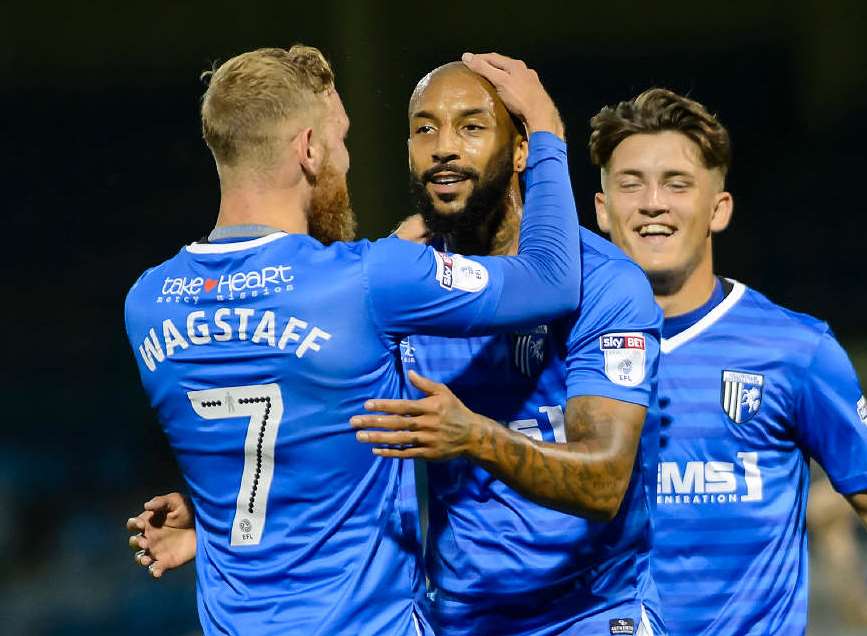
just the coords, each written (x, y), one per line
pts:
(579, 478)
(548, 251)
(858, 501)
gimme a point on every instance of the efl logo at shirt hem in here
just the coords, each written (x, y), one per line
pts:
(624, 357)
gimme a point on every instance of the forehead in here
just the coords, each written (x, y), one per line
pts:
(657, 152)
(336, 111)
(453, 89)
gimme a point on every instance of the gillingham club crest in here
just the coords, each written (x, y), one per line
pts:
(741, 394)
(528, 350)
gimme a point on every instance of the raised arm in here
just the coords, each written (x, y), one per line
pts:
(415, 289)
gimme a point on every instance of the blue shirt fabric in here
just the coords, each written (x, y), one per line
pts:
(748, 394)
(499, 563)
(255, 354)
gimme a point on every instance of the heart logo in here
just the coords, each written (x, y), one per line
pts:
(210, 283)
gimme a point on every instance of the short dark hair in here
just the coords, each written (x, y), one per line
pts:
(658, 110)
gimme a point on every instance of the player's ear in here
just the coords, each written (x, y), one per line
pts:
(522, 149)
(723, 207)
(310, 154)
(602, 219)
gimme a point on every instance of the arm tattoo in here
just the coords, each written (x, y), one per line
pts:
(587, 476)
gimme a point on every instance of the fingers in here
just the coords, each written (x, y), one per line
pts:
(138, 542)
(390, 422)
(135, 524)
(164, 502)
(397, 407)
(483, 66)
(394, 438)
(426, 384)
(401, 453)
(497, 60)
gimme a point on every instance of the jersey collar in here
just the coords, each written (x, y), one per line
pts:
(667, 345)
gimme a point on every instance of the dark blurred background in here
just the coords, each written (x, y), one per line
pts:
(104, 174)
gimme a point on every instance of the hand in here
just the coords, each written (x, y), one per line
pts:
(165, 536)
(412, 228)
(437, 427)
(520, 89)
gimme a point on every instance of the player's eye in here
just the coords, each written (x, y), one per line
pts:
(630, 186)
(424, 129)
(473, 127)
(679, 185)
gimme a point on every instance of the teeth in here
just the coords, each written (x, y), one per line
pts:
(448, 179)
(654, 229)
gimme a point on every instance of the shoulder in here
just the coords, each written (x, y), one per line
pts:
(612, 280)
(783, 321)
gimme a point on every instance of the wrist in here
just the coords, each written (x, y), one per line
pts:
(548, 122)
(479, 446)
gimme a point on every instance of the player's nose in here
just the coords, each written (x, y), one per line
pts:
(653, 202)
(446, 148)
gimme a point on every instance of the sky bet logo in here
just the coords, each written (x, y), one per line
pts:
(622, 341)
(268, 280)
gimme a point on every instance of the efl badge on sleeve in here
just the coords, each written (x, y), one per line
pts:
(862, 409)
(741, 394)
(624, 357)
(528, 350)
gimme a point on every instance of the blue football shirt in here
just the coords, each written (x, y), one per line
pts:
(499, 563)
(748, 394)
(255, 354)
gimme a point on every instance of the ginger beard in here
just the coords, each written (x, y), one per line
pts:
(485, 206)
(330, 217)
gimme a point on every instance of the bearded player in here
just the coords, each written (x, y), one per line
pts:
(256, 345)
(566, 403)
(749, 391)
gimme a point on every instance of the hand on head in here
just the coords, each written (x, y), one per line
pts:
(520, 89)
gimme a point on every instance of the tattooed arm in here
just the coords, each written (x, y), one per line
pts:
(587, 476)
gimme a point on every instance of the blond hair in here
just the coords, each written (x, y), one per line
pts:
(253, 95)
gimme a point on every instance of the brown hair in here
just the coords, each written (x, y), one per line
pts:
(251, 95)
(657, 110)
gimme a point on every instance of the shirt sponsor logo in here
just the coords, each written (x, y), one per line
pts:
(710, 482)
(456, 272)
(621, 626)
(862, 409)
(741, 395)
(625, 357)
(273, 279)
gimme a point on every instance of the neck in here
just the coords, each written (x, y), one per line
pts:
(694, 292)
(498, 237)
(281, 208)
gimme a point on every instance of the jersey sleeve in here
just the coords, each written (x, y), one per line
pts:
(415, 289)
(831, 417)
(613, 345)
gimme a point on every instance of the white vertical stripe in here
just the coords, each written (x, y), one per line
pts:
(728, 395)
(645, 628)
(415, 622)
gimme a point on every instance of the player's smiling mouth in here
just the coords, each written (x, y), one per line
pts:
(447, 182)
(655, 230)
